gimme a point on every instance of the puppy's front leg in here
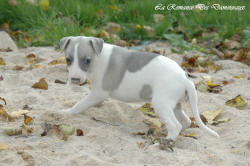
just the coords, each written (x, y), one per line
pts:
(90, 100)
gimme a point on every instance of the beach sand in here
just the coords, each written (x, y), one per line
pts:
(113, 142)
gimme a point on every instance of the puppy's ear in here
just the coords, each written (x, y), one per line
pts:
(64, 42)
(97, 45)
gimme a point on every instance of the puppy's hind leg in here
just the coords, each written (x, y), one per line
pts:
(182, 117)
(164, 109)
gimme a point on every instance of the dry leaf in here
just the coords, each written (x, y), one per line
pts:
(5, 49)
(3, 112)
(237, 102)
(153, 122)
(53, 62)
(27, 119)
(17, 114)
(148, 110)
(65, 131)
(3, 146)
(26, 130)
(17, 67)
(11, 131)
(42, 84)
(59, 82)
(79, 132)
(239, 76)
(192, 135)
(31, 59)
(2, 61)
(1, 78)
(193, 122)
(212, 115)
(27, 158)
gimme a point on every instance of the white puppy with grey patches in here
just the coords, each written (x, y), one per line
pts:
(131, 76)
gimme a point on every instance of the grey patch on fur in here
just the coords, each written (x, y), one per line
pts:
(146, 92)
(122, 60)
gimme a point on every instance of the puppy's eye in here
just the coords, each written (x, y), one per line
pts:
(87, 61)
(68, 60)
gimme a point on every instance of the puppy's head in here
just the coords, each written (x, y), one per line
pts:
(80, 53)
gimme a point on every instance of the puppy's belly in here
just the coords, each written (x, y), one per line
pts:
(127, 95)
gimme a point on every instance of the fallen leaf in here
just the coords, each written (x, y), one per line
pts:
(79, 132)
(42, 84)
(1, 78)
(27, 158)
(53, 62)
(65, 131)
(59, 82)
(153, 122)
(239, 76)
(192, 135)
(6, 49)
(193, 122)
(31, 59)
(104, 34)
(237, 102)
(17, 67)
(61, 60)
(3, 111)
(222, 120)
(113, 27)
(27, 119)
(239, 55)
(3, 146)
(11, 131)
(26, 130)
(148, 110)
(17, 114)
(211, 84)
(44, 4)
(139, 133)
(211, 116)
(2, 61)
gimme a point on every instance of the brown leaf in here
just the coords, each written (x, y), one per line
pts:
(42, 84)
(79, 132)
(31, 59)
(17, 67)
(239, 55)
(11, 131)
(59, 82)
(26, 130)
(237, 102)
(27, 158)
(1, 78)
(3, 111)
(6, 49)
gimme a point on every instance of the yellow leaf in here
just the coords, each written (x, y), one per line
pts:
(36, 66)
(147, 110)
(27, 39)
(210, 84)
(3, 112)
(61, 60)
(239, 76)
(53, 62)
(27, 119)
(17, 114)
(236, 102)
(42, 84)
(212, 115)
(3, 146)
(2, 61)
(44, 4)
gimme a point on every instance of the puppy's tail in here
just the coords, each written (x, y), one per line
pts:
(192, 95)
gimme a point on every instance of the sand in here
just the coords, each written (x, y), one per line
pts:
(113, 142)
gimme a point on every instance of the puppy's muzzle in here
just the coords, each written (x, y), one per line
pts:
(75, 80)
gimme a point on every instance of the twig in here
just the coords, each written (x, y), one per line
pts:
(98, 120)
(212, 158)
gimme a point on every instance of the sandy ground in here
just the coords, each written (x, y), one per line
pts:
(104, 144)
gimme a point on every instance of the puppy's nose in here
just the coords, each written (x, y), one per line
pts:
(75, 80)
